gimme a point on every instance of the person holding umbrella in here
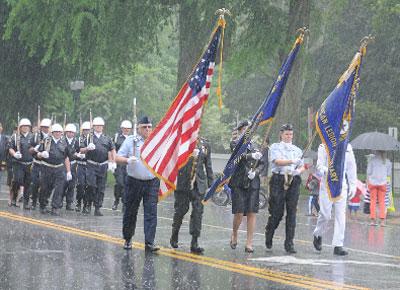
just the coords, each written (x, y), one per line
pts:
(378, 170)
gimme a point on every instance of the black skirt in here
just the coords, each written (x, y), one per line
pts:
(245, 200)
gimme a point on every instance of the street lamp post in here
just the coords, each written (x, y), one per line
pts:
(76, 88)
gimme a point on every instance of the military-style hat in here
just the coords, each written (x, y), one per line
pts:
(243, 124)
(144, 120)
(286, 127)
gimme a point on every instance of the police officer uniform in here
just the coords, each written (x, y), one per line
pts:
(120, 171)
(284, 190)
(140, 184)
(193, 180)
(55, 162)
(37, 162)
(81, 185)
(97, 163)
(73, 150)
(3, 155)
(22, 163)
(325, 213)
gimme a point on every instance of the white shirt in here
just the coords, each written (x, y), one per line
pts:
(286, 151)
(378, 170)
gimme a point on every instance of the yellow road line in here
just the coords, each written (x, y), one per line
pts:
(266, 274)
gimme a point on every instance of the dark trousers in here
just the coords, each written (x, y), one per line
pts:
(96, 177)
(136, 190)
(21, 177)
(69, 186)
(51, 179)
(278, 200)
(181, 207)
(35, 182)
(81, 183)
(120, 179)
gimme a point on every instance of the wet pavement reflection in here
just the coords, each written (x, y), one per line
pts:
(85, 252)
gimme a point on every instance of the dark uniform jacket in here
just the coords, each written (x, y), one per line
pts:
(57, 153)
(118, 140)
(26, 143)
(72, 148)
(38, 138)
(3, 151)
(203, 170)
(104, 144)
(240, 178)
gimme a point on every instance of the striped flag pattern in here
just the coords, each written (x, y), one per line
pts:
(173, 140)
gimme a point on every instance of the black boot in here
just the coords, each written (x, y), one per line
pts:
(115, 205)
(86, 209)
(174, 238)
(69, 207)
(97, 212)
(339, 251)
(268, 239)
(78, 206)
(194, 247)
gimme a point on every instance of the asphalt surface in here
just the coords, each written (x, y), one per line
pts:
(73, 251)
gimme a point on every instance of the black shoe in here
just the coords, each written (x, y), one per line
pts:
(69, 207)
(128, 245)
(197, 250)
(86, 209)
(151, 248)
(44, 211)
(268, 240)
(317, 243)
(55, 211)
(290, 250)
(115, 206)
(173, 242)
(340, 251)
(97, 212)
(248, 250)
(78, 207)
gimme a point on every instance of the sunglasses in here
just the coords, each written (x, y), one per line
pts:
(146, 126)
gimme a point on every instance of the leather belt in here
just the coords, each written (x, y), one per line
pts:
(24, 163)
(81, 162)
(97, 163)
(52, 165)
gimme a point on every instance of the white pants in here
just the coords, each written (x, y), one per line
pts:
(325, 215)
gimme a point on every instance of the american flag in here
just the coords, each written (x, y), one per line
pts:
(173, 140)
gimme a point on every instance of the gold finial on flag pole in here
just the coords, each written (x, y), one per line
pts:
(221, 22)
(364, 42)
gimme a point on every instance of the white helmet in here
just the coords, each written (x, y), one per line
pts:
(70, 128)
(85, 125)
(126, 124)
(45, 123)
(56, 128)
(98, 121)
(24, 122)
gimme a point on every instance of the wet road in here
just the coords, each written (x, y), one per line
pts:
(85, 252)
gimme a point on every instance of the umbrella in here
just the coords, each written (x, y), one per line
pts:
(375, 141)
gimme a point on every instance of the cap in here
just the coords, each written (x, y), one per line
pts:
(286, 127)
(45, 122)
(126, 124)
(70, 128)
(98, 121)
(85, 125)
(144, 120)
(25, 122)
(56, 128)
(243, 124)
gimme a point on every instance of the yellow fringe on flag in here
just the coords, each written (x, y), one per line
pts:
(222, 23)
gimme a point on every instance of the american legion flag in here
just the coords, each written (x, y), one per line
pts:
(173, 140)
(263, 115)
(334, 121)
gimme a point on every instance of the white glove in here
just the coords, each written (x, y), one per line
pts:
(351, 194)
(297, 162)
(112, 166)
(256, 155)
(196, 152)
(251, 174)
(17, 155)
(91, 147)
(69, 176)
(80, 155)
(37, 148)
(132, 160)
(322, 169)
(44, 154)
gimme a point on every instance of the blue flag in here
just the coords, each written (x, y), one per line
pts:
(334, 122)
(263, 115)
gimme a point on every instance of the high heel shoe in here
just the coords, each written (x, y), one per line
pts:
(248, 250)
(232, 244)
